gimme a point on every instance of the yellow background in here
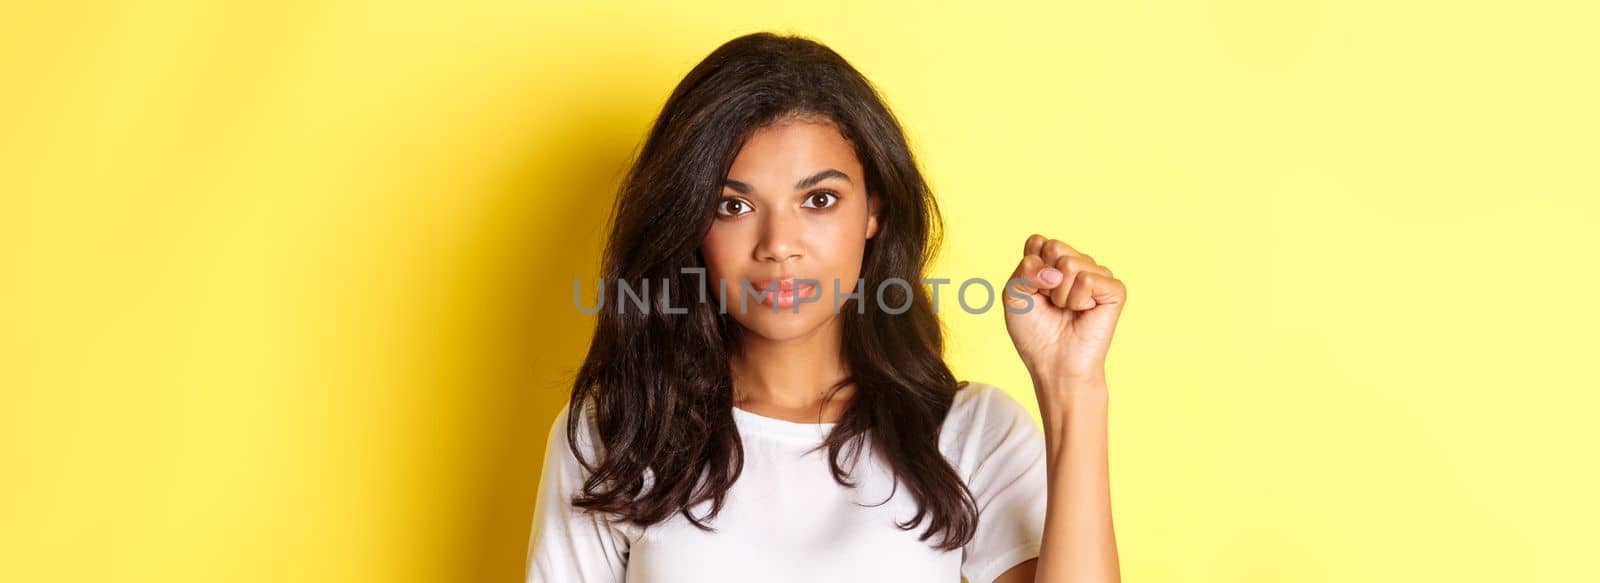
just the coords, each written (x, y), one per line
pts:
(285, 287)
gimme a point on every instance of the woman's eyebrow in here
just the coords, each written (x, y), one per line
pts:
(811, 180)
(803, 184)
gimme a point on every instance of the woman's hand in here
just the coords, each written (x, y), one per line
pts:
(1066, 332)
(1061, 308)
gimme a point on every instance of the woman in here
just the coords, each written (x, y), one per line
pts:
(772, 411)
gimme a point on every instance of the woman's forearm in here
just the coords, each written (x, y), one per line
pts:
(1079, 543)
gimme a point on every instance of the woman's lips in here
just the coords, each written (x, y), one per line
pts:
(783, 293)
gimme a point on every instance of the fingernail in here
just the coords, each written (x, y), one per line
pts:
(1050, 276)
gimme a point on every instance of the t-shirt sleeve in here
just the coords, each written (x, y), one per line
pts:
(1008, 483)
(568, 544)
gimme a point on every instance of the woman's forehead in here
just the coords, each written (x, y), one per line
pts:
(793, 148)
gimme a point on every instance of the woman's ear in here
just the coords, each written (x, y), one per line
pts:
(872, 215)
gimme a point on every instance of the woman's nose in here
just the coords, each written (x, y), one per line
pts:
(780, 237)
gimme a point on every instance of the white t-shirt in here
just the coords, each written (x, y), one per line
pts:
(786, 519)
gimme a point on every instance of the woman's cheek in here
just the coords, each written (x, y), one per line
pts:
(841, 243)
(719, 252)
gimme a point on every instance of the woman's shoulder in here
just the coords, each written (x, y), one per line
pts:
(989, 434)
(978, 399)
(983, 412)
(586, 434)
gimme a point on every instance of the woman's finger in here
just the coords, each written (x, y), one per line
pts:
(1055, 249)
(1071, 266)
(1025, 282)
(1093, 288)
(1033, 244)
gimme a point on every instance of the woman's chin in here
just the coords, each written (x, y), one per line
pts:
(783, 325)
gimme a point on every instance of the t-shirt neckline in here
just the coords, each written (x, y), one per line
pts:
(774, 426)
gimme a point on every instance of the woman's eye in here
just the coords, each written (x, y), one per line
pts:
(730, 207)
(820, 200)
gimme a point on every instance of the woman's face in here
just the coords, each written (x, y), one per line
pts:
(794, 206)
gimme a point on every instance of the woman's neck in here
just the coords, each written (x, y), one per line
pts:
(789, 378)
